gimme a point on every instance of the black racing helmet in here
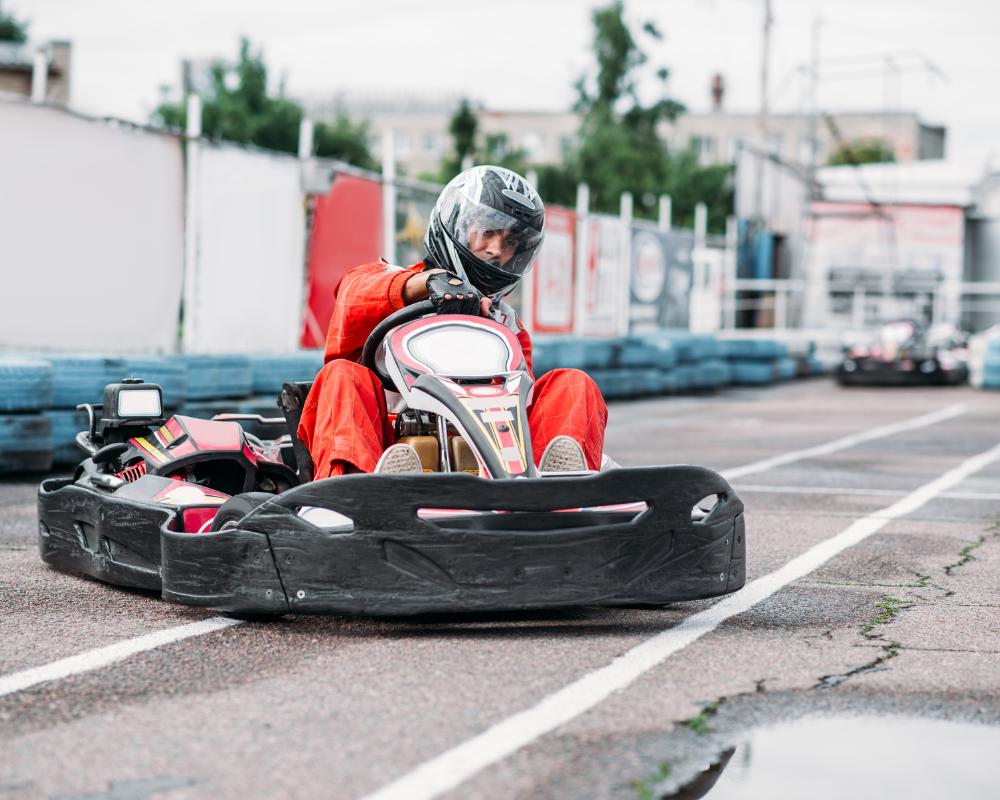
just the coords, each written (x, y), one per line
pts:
(488, 224)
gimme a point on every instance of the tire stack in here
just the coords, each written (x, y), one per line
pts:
(79, 378)
(758, 362)
(244, 384)
(991, 365)
(27, 386)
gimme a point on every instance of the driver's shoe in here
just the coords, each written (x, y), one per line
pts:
(399, 458)
(564, 454)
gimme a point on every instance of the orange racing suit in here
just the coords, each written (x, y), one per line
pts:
(345, 420)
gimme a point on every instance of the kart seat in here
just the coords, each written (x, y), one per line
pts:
(291, 401)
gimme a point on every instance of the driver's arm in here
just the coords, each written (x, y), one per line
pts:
(365, 296)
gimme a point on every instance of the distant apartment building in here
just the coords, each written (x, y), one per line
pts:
(717, 135)
(420, 129)
(421, 138)
(17, 64)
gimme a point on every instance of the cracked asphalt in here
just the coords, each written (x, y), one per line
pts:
(906, 623)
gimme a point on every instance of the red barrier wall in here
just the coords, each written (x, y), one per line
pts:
(346, 232)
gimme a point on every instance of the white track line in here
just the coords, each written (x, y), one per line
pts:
(847, 441)
(103, 656)
(859, 492)
(455, 766)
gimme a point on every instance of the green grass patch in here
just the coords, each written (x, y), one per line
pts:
(699, 723)
(644, 789)
(890, 607)
(965, 555)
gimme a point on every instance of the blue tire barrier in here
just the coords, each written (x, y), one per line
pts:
(712, 373)
(26, 383)
(168, 373)
(755, 349)
(572, 354)
(25, 443)
(66, 425)
(685, 376)
(202, 373)
(815, 366)
(649, 381)
(81, 378)
(206, 409)
(666, 353)
(270, 370)
(788, 368)
(746, 372)
(600, 353)
(616, 383)
(235, 376)
(668, 382)
(991, 365)
(636, 351)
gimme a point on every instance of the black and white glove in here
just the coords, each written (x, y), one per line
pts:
(452, 295)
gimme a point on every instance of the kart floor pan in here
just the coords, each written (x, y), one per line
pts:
(392, 562)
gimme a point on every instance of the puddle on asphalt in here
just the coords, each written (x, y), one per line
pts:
(853, 757)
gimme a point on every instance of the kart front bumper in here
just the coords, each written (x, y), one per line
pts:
(534, 543)
(394, 562)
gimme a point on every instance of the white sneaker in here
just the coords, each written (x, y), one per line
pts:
(563, 454)
(399, 458)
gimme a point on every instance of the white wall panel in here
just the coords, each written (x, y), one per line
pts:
(91, 233)
(246, 282)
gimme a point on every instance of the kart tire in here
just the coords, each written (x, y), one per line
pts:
(202, 376)
(235, 508)
(235, 376)
(26, 384)
(25, 443)
(272, 370)
(65, 426)
(81, 378)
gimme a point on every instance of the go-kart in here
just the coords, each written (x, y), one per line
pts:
(904, 353)
(212, 515)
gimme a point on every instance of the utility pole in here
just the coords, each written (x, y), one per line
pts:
(814, 105)
(762, 116)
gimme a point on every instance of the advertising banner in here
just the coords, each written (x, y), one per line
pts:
(548, 294)
(600, 288)
(346, 233)
(866, 265)
(659, 279)
(413, 213)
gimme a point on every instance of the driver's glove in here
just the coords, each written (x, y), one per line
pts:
(452, 295)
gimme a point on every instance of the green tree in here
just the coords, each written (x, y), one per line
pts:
(237, 108)
(862, 151)
(618, 147)
(489, 149)
(11, 30)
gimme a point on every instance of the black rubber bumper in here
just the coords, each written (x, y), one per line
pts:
(114, 540)
(392, 562)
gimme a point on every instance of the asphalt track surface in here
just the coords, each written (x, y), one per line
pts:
(873, 571)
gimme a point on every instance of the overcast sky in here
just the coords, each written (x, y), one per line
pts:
(526, 54)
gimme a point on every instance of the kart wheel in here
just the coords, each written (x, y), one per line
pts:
(235, 508)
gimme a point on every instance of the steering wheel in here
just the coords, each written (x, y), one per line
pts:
(405, 314)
